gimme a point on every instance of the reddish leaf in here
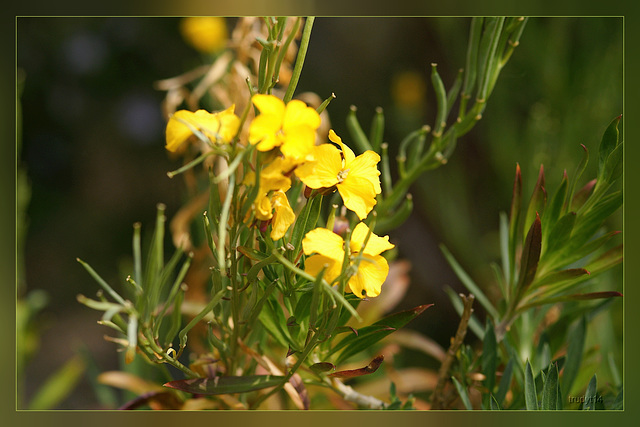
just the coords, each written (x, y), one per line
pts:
(369, 369)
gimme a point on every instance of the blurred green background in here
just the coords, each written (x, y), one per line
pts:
(92, 151)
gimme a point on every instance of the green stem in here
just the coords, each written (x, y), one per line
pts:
(302, 53)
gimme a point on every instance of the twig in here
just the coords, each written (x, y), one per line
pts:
(349, 394)
(437, 399)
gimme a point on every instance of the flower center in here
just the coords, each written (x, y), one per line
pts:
(342, 175)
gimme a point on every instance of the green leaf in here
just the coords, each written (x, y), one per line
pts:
(514, 214)
(550, 389)
(370, 335)
(58, 386)
(591, 395)
(559, 235)
(494, 403)
(489, 356)
(225, 385)
(575, 337)
(464, 396)
(618, 403)
(537, 202)
(560, 277)
(554, 210)
(306, 221)
(505, 381)
(272, 318)
(530, 256)
(610, 141)
(322, 367)
(530, 395)
(469, 283)
(579, 297)
(577, 175)
(587, 224)
(582, 195)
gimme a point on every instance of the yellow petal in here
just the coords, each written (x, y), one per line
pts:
(365, 166)
(283, 216)
(297, 114)
(372, 272)
(264, 132)
(263, 207)
(272, 176)
(346, 151)
(177, 132)
(269, 105)
(315, 263)
(323, 172)
(265, 128)
(358, 195)
(325, 242)
(375, 245)
(298, 143)
(229, 124)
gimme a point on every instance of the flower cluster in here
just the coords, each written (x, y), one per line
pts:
(286, 136)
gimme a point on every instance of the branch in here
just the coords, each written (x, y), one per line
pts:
(437, 399)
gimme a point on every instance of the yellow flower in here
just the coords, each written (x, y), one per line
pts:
(219, 127)
(274, 209)
(283, 215)
(327, 250)
(207, 34)
(291, 127)
(271, 204)
(356, 178)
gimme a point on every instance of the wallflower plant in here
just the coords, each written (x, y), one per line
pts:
(278, 258)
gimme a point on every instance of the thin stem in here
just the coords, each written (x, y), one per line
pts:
(302, 53)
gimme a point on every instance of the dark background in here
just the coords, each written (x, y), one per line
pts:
(92, 145)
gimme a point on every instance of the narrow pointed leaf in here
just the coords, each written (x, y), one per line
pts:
(560, 277)
(530, 256)
(489, 356)
(559, 405)
(618, 404)
(464, 396)
(469, 283)
(575, 337)
(225, 385)
(582, 195)
(537, 201)
(609, 142)
(505, 381)
(607, 260)
(369, 369)
(530, 395)
(591, 394)
(494, 404)
(560, 234)
(553, 212)
(514, 214)
(577, 175)
(370, 335)
(550, 389)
